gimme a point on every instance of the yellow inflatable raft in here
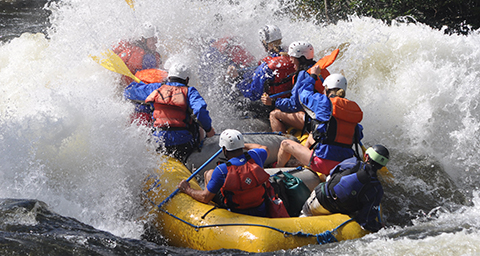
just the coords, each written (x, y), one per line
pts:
(185, 222)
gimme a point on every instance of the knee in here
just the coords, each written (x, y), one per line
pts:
(207, 176)
(273, 114)
(285, 145)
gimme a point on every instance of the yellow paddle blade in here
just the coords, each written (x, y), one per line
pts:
(130, 3)
(386, 175)
(113, 62)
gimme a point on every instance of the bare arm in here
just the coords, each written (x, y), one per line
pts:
(203, 196)
(249, 146)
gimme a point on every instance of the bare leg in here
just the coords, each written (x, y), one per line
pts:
(275, 123)
(280, 120)
(310, 141)
(289, 148)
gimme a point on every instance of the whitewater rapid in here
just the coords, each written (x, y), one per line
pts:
(65, 138)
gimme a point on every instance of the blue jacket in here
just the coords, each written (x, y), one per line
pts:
(140, 91)
(293, 104)
(353, 188)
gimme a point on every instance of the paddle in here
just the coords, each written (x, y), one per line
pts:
(327, 60)
(322, 63)
(191, 176)
(279, 94)
(113, 62)
(384, 172)
(130, 3)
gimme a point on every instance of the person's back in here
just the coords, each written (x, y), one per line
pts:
(352, 188)
(174, 105)
(333, 120)
(243, 188)
(239, 184)
(178, 112)
(288, 111)
(273, 74)
(333, 128)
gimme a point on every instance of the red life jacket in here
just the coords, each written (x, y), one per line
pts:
(232, 48)
(132, 55)
(282, 68)
(346, 114)
(243, 187)
(170, 106)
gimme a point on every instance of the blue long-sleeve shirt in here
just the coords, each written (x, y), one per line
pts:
(140, 91)
(293, 104)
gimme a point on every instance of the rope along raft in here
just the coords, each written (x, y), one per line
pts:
(322, 238)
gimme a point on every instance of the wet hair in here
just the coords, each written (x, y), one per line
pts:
(337, 92)
(277, 45)
(305, 64)
(178, 80)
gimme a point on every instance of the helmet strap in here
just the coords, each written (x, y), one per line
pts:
(265, 45)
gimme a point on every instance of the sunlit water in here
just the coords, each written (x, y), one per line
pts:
(65, 137)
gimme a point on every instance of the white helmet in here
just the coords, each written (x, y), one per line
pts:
(231, 140)
(149, 30)
(270, 33)
(179, 70)
(301, 48)
(335, 81)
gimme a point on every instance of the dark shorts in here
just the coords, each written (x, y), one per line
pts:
(180, 152)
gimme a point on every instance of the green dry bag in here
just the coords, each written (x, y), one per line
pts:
(295, 190)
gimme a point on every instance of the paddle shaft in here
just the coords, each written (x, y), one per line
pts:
(191, 177)
(279, 94)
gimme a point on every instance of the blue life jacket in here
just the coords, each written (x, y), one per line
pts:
(347, 182)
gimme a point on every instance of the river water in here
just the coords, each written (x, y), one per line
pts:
(72, 165)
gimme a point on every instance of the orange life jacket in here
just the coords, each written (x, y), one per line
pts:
(346, 114)
(132, 55)
(170, 106)
(152, 75)
(243, 187)
(282, 68)
(318, 84)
